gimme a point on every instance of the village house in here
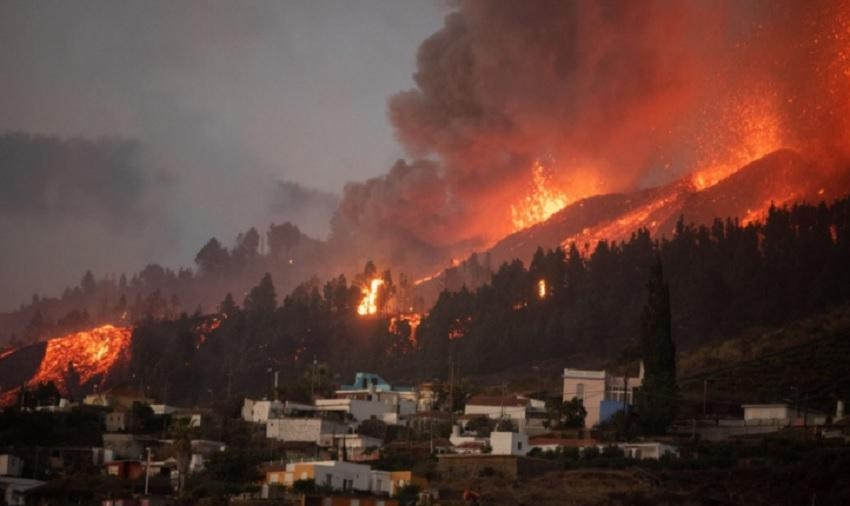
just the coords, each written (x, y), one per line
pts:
(262, 410)
(315, 430)
(601, 394)
(357, 447)
(119, 421)
(343, 476)
(371, 387)
(14, 489)
(526, 413)
(334, 474)
(117, 399)
(508, 443)
(427, 396)
(10, 465)
(780, 415)
(127, 446)
(359, 410)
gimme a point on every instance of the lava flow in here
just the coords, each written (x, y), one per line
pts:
(93, 353)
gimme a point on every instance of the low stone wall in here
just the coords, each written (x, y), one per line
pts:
(509, 466)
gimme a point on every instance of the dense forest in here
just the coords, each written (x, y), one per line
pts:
(566, 306)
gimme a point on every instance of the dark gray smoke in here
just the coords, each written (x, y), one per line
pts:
(611, 95)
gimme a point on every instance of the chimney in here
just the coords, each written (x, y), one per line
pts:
(456, 430)
(839, 410)
(640, 372)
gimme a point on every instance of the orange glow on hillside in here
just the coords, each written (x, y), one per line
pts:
(369, 303)
(92, 352)
(541, 288)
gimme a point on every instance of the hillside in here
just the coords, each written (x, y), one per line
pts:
(782, 177)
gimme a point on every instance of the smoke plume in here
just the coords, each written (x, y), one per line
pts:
(608, 96)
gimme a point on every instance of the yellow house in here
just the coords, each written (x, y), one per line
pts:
(401, 479)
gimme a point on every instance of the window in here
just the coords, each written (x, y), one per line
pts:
(519, 445)
(580, 391)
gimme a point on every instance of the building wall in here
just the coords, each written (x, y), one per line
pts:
(768, 412)
(313, 430)
(261, 411)
(589, 386)
(508, 443)
(495, 412)
(359, 409)
(11, 465)
(337, 474)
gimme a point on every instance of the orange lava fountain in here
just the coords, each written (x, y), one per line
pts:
(538, 206)
(93, 353)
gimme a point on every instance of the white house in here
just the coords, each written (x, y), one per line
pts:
(360, 409)
(602, 394)
(11, 465)
(358, 447)
(14, 489)
(261, 411)
(314, 430)
(508, 443)
(337, 475)
(648, 450)
(521, 410)
(458, 440)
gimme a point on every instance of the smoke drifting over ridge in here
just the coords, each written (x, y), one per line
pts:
(610, 96)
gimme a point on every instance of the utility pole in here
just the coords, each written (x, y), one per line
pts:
(313, 380)
(452, 383)
(625, 404)
(147, 470)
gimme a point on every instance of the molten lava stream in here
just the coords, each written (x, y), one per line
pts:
(93, 353)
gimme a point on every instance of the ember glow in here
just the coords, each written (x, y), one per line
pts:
(750, 131)
(369, 303)
(413, 320)
(94, 353)
(541, 289)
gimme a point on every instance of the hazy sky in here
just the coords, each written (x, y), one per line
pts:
(224, 98)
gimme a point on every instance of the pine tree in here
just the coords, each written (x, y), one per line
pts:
(657, 397)
(228, 305)
(262, 298)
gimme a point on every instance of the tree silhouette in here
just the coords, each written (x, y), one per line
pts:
(657, 396)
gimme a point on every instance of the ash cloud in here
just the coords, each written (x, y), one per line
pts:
(309, 208)
(54, 179)
(614, 95)
(68, 203)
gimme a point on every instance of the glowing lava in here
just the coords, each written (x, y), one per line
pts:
(369, 303)
(413, 320)
(92, 352)
(542, 203)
